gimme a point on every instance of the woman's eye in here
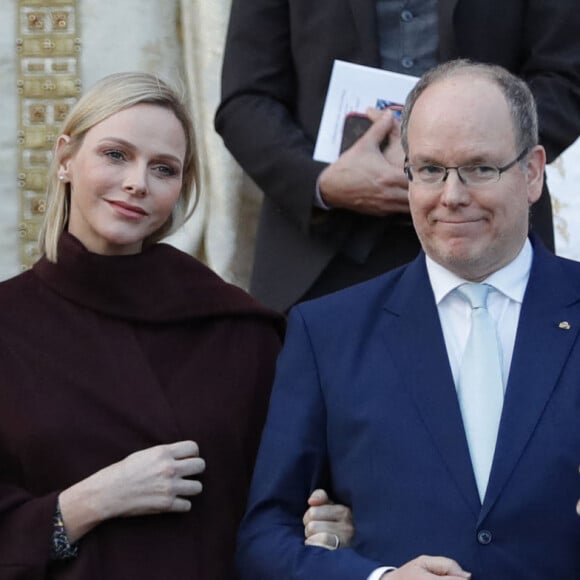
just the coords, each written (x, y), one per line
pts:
(115, 154)
(166, 170)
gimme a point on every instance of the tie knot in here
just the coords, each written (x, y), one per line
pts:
(475, 294)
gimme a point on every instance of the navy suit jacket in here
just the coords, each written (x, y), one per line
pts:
(364, 404)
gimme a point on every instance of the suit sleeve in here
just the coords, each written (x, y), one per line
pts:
(292, 461)
(537, 40)
(256, 116)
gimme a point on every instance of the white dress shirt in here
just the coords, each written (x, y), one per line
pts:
(504, 303)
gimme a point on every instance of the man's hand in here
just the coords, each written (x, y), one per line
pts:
(327, 525)
(428, 568)
(365, 179)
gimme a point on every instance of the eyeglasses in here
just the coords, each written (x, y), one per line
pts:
(477, 174)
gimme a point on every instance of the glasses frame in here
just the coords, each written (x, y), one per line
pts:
(458, 168)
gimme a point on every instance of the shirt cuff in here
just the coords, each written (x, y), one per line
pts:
(318, 201)
(379, 572)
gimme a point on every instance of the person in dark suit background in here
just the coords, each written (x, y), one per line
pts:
(370, 396)
(277, 65)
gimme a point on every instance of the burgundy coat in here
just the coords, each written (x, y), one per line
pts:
(102, 356)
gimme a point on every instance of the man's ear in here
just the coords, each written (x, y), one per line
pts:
(534, 170)
(63, 152)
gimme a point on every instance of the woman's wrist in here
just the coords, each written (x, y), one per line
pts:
(82, 508)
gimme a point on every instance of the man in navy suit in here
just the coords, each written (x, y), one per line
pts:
(366, 400)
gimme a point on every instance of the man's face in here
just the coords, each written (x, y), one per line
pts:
(470, 230)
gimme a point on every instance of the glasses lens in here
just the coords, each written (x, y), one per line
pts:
(477, 174)
(430, 173)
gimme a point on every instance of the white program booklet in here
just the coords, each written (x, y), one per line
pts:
(352, 89)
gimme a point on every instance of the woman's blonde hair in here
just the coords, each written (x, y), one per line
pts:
(110, 95)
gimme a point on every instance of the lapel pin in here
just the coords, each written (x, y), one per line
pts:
(564, 325)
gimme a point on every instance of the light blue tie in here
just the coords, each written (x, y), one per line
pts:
(480, 385)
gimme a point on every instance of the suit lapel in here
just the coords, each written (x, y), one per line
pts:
(414, 336)
(365, 18)
(413, 333)
(541, 350)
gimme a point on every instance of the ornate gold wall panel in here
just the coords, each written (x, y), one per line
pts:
(48, 84)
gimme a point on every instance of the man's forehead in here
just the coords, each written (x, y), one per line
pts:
(464, 90)
(469, 111)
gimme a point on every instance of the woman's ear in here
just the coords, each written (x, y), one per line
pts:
(64, 154)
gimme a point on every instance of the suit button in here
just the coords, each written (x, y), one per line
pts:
(484, 537)
(406, 16)
(407, 62)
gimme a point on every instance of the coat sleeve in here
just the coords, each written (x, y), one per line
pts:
(256, 117)
(552, 68)
(26, 513)
(537, 40)
(292, 461)
(26, 525)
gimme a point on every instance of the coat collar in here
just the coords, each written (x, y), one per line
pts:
(161, 284)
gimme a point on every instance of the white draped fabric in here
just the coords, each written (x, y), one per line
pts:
(564, 182)
(183, 40)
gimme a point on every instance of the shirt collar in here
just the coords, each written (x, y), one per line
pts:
(511, 280)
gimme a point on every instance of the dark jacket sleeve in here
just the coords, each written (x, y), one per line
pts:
(552, 69)
(538, 40)
(257, 115)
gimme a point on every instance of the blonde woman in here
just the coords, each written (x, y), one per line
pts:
(134, 380)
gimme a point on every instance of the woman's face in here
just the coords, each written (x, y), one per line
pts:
(125, 178)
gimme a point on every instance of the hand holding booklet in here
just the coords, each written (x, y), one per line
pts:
(352, 89)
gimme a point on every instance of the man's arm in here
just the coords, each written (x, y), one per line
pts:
(552, 69)
(537, 40)
(255, 117)
(292, 462)
(271, 104)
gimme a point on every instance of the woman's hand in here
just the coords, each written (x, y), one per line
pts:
(150, 481)
(326, 524)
